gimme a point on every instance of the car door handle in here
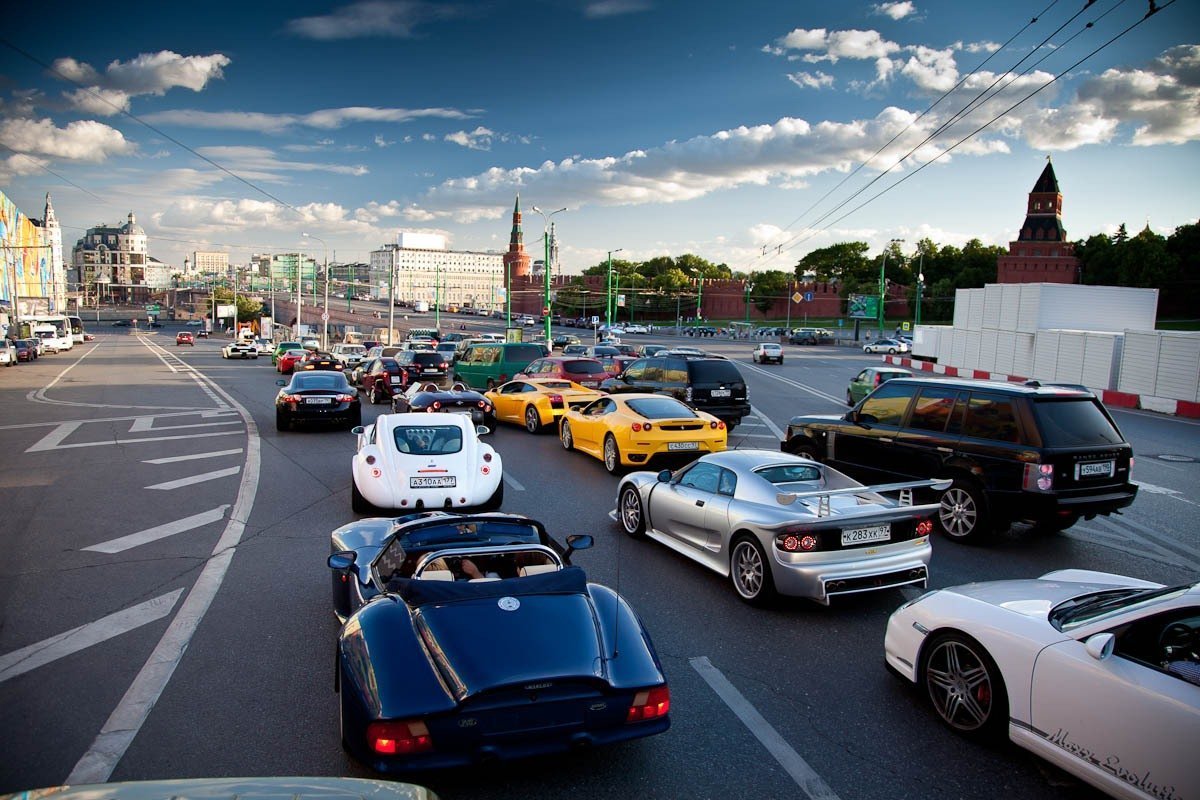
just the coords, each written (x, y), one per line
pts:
(945, 449)
(699, 502)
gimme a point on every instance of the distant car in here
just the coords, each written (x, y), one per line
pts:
(457, 399)
(562, 340)
(1097, 673)
(575, 350)
(201, 334)
(89, 337)
(415, 461)
(632, 328)
(633, 429)
(318, 361)
(282, 348)
(265, 346)
(436, 668)
(890, 346)
(122, 323)
(194, 323)
(866, 381)
(239, 350)
(783, 524)
(287, 360)
(448, 350)
(380, 378)
(647, 350)
(528, 321)
(8, 353)
(183, 337)
(587, 372)
(602, 350)
(25, 350)
(538, 403)
(317, 397)
(766, 352)
(154, 324)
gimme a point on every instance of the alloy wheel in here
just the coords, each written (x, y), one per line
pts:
(959, 685)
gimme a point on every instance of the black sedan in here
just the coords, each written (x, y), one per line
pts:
(458, 399)
(319, 361)
(319, 396)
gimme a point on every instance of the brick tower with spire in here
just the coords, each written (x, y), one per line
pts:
(1041, 253)
(516, 261)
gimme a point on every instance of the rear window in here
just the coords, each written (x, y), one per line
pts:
(1074, 423)
(583, 367)
(320, 380)
(428, 359)
(660, 408)
(523, 352)
(714, 372)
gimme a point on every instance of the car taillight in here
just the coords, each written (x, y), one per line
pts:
(924, 527)
(345, 398)
(797, 540)
(556, 398)
(443, 365)
(399, 738)
(291, 398)
(437, 404)
(717, 425)
(649, 704)
(482, 405)
(638, 427)
(487, 457)
(1038, 478)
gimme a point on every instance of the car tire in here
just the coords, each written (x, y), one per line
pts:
(892, 351)
(965, 687)
(781, 362)
(750, 572)
(533, 420)
(358, 503)
(631, 513)
(963, 516)
(612, 455)
(281, 422)
(355, 420)
(849, 399)
(376, 395)
(564, 436)
(497, 499)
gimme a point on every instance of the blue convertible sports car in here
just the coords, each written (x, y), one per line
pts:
(470, 638)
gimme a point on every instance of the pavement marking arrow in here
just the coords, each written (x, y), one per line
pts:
(159, 531)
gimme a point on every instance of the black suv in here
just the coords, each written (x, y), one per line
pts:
(712, 385)
(1016, 452)
(810, 336)
(423, 365)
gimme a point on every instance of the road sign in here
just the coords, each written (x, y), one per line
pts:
(325, 316)
(808, 296)
(906, 326)
(797, 297)
(545, 310)
(153, 309)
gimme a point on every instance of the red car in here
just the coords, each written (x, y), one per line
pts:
(382, 378)
(183, 337)
(288, 360)
(584, 371)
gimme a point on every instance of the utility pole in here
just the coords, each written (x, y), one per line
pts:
(608, 293)
(546, 264)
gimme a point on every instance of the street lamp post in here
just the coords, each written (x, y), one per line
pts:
(920, 284)
(749, 289)
(325, 309)
(546, 263)
(883, 284)
(437, 295)
(608, 293)
(299, 291)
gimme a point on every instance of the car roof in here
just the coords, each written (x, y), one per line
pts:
(750, 459)
(421, 419)
(1028, 388)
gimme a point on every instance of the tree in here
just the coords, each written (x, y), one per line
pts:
(769, 286)
(834, 262)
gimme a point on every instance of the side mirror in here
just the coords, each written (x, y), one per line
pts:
(482, 430)
(358, 430)
(281, 382)
(342, 560)
(577, 541)
(664, 476)
(1100, 646)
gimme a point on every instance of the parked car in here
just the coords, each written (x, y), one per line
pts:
(183, 337)
(1048, 455)
(869, 380)
(587, 372)
(320, 397)
(25, 350)
(636, 328)
(1097, 673)
(415, 461)
(766, 352)
(890, 346)
(782, 524)
(528, 645)
(712, 385)
(635, 429)
(8, 353)
(486, 366)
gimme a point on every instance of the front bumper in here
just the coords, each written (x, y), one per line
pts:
(822, 576)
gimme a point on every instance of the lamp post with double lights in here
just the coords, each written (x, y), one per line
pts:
(546, 262)
(325, 309)
(749, 289)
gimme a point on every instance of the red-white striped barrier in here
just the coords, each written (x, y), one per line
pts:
(1110, 397)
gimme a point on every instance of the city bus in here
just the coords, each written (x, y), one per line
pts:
(76, 328)
(53, 329)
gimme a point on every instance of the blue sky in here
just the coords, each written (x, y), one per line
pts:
(664, 128)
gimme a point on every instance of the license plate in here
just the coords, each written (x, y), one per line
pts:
(394, 379)
(875, 533)
(429, 370)
(683, 445)
(589, 384)
(721, 392)
(444, 482)
(318, 401)
(1095, 469)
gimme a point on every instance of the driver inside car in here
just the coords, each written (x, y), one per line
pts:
(463, 569)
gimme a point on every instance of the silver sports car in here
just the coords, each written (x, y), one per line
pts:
(778, 523)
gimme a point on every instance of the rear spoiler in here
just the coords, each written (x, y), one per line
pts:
(905, 489)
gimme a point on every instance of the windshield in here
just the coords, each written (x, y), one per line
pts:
(1081, 610)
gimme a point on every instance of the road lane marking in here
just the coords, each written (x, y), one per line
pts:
(1152, 489)
(28, 658)
(193, 457)
(770, 425)
(110, 745)
(816, 392)
(145, 424)
(41, 445)
(805, 777)
(160, 531)
(513, 482)
(192, 480)
(189, 413)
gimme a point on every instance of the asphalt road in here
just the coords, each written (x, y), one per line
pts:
(166, 607)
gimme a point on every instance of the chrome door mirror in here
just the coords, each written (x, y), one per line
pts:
(1100, 646)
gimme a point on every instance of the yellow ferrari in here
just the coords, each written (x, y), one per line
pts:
(537, 404)
(632, 429)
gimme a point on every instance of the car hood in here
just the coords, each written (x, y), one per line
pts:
(1035, 598)
(485, 643)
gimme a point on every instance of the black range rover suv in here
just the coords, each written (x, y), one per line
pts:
(712, 385)
(1045, 454)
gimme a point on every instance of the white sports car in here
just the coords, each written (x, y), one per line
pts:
(417, 462)
(1097, 673)
(240, 350)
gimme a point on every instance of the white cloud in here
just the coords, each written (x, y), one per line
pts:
(395, 19)
(1161, 99)
(764, 233)
(19, 164)
(382, 142)
(808, 80)
(614, 8)
(263, 161)
(109, 92)
(83, 140)
(325, 119)
(802, 39)
(978, 47)
(478, 139)
(897, 11)
(931, 70)
(852, 44)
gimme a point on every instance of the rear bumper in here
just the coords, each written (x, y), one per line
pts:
(899, 564)
(1032, 506)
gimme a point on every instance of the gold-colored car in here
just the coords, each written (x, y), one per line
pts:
(538, 403)
(633, 429)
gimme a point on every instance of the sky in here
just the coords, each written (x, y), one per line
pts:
(746, 133)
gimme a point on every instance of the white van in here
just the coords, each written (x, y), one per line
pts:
(54, 339)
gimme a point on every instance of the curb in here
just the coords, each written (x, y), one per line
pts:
(1110, 397)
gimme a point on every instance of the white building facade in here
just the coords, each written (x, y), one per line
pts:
(423, 269)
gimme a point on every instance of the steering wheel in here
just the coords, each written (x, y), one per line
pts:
(1179, 636)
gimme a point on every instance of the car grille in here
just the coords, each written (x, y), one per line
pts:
(872, 582)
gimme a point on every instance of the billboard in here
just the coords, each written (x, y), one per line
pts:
(227, 311)
(862, 306)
